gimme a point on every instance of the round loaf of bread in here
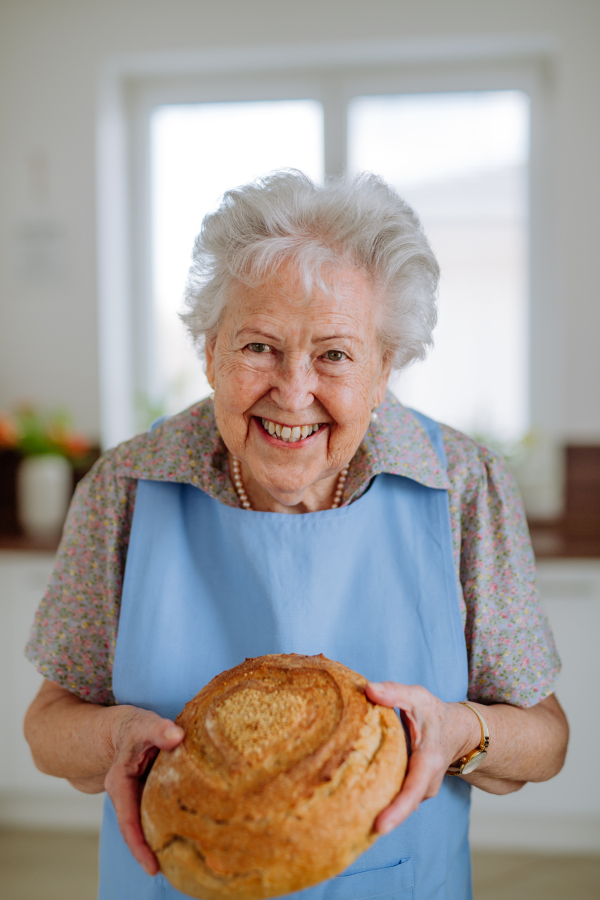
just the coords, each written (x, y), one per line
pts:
(284, 767)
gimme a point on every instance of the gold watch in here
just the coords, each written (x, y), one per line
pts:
(467, 764)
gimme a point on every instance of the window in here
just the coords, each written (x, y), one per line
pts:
(452, 136)
(460, 159)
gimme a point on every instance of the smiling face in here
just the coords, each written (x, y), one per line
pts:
(283, 364)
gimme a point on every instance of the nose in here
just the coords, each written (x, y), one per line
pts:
(294, 384)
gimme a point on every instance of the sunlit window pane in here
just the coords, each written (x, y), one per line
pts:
(198, 152)
(461, 161)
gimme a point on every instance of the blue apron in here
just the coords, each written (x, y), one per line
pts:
(371, 585)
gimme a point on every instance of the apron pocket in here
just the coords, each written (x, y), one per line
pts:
(392, 882)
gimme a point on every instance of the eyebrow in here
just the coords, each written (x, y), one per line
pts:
(337, 337)
(256, 331)
(319, 340)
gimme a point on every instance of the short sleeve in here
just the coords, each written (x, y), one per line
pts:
(73, 637)
(511, 649)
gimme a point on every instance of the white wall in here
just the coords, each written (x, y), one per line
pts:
(27, 797)
(561, 815)
(51, 52)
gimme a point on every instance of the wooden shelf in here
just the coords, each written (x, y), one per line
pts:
(25, 544)
(553, 540)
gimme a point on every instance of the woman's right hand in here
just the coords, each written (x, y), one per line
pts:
(100, 747)
(137, 735)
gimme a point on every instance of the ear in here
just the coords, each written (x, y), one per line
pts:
(209, 353)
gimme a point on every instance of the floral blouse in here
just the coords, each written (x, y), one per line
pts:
(511, 653)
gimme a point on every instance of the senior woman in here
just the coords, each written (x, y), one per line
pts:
(302, 509)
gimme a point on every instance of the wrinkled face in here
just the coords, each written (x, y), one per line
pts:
(282, 365)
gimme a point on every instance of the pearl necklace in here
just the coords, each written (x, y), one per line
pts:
(236, 473)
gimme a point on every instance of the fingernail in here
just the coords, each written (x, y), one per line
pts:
(377, 685)
(173, 731)
(387, 827)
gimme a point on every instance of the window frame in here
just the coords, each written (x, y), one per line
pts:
(333, 75)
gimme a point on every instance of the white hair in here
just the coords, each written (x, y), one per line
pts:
(285, 217)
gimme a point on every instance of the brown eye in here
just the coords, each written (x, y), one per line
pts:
(335, 355)
(259, 348)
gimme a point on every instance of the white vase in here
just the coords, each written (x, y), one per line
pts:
(43, 492)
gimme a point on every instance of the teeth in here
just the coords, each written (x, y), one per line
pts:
(288, 433)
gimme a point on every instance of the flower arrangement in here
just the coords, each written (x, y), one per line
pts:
(33, 433)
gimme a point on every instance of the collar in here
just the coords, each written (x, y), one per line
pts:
(396, 444)
(187, 448)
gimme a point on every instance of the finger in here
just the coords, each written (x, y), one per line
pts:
(389, 693)
(146, 729)
(401, 696)
(168, 735)
(416, 787)
(125, 794)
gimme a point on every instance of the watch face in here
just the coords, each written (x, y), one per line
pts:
(474, 763)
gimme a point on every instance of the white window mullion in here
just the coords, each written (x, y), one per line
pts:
(146, 380)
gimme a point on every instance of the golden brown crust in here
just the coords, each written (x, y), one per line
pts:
(283, 770)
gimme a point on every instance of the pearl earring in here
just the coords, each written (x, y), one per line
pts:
(374, 417)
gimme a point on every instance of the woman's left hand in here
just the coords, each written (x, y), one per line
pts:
(525, 744)
(440, 733)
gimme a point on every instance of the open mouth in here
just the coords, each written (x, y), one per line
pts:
(288, 433)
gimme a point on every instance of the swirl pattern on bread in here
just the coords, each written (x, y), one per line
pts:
(284, 767)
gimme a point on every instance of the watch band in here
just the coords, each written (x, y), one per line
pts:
(472, 760)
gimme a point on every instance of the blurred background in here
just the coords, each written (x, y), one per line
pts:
(122, 124)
